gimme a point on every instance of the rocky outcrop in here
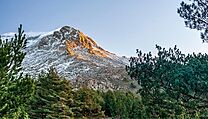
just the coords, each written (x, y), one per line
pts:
(74, 39)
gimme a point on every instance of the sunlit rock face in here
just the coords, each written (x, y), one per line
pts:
(76, 57)
(76, 40)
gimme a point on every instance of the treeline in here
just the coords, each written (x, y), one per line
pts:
(54, 97)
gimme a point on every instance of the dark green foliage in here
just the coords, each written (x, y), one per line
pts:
(11, 55)
(195, 16)
(122, 105)
(89, 103)
(110, 104)
(137, 110)
(173, 84)
(15, 89)
(15, 95)
(53, 97)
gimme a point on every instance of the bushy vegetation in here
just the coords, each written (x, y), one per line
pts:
(173, 85)
(123, 105)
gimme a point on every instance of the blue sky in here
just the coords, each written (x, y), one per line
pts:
(119, 26)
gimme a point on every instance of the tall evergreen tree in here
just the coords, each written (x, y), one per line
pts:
(53, 97)
(15, 89)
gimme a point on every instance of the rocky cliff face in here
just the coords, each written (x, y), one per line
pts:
(76, 57)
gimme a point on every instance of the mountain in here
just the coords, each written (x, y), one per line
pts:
(76, 57)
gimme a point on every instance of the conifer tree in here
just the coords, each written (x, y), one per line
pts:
(15, 89)
(194, 13)
(53, 97)
(88, 103)
(172, 84)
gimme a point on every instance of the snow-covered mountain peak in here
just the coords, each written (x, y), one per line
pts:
(74, 55)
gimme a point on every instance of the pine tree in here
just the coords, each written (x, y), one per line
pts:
(172, 83)
(15, 89)
(53, 98)
(88, 103)
(194, 13)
